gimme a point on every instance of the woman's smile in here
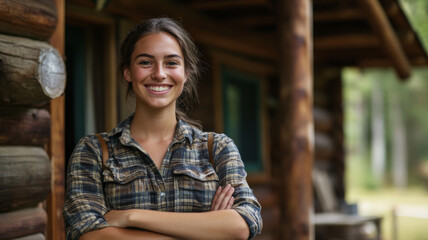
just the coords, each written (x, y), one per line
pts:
(158, 89)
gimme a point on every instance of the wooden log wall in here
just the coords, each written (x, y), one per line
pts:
(32, 72)
(328, 120)
(23, 222)
(24, 177)
(24, 126)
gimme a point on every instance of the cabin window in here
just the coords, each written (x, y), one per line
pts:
(242, 115)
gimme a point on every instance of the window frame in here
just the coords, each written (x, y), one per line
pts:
(261, 71)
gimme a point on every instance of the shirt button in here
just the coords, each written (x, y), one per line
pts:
(162, 194)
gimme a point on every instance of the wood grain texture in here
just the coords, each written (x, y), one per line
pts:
(24, 126)
(28, 18)
(55, 201)
(22, 223)
(296, 137)
(25, 177)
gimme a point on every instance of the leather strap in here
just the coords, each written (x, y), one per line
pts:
(104, 148)
(210, 147)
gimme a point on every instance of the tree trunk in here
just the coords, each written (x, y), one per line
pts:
(28, 18)
(31, 72)
(378, 132)
(22, 222)
(399, 147)
(24, 126)
(25, 177)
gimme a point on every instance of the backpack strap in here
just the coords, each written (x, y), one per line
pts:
(104, 149)
(210, 147)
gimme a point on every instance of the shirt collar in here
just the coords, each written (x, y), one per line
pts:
(183, 131)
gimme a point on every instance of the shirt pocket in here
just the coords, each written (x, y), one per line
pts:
(125, 186)
(195, 187)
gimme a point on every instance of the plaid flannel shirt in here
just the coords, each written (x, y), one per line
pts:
(185, 182)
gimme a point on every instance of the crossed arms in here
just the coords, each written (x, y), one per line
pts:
(221, 222)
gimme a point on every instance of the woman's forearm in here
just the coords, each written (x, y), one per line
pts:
(223, 224)
(114, 233)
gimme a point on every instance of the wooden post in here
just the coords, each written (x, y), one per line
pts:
(295, 117)
(57, 145)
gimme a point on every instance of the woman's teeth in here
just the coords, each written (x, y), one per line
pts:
(158, 88)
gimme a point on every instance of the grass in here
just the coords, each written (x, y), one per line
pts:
(373, 199)
(411, 205)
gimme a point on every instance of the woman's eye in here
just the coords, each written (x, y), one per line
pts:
(144, 63)
(172, 63)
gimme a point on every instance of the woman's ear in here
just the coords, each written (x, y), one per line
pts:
(186, 76)
(127, 75)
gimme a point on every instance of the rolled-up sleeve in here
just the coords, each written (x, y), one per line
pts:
(84, 206)
(231, 170)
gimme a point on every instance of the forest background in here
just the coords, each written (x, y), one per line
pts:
(386, 135)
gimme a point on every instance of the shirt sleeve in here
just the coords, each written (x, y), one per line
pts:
(230, 169)
(84, 206)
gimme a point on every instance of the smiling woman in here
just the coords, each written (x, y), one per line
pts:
(157, 181)
(156, 72)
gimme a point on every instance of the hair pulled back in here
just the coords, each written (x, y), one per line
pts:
(189, 96)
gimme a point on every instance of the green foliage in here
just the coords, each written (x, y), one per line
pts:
(411, 95)
(417, 13)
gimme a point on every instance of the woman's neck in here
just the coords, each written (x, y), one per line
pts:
(153, 125)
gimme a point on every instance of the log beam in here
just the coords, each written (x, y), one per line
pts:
(202, 29)
(349, 41)
(324, 147)
(25, 177)
(24, 126)
(338, 15)
(28, 18)
(323, 120)
(31, 72)
(295, 117)
(22, 222)
(382, 27)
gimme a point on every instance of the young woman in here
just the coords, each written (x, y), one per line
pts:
(158, 182)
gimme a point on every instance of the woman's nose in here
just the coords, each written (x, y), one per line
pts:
(159, 72)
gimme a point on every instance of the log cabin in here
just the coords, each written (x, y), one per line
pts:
(272, 82)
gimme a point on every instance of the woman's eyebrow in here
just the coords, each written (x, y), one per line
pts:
(152, 57)
(173, 56)
(144, 55)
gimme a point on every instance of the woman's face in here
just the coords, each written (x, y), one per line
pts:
(156, 71)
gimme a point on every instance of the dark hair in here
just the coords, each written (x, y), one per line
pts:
(189, 96)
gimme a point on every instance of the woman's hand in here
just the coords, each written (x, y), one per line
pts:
(223, 198)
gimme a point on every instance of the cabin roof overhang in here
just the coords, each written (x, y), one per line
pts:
(362, 33)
